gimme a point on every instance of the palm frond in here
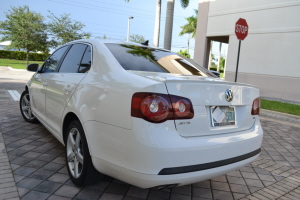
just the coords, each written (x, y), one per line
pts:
(191, 25)
(184, 3)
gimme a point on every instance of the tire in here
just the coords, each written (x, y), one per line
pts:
(25, 108)
(79, 163)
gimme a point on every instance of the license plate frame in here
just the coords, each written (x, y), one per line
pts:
(222, 116)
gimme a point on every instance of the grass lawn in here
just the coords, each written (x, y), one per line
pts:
(17, 64)
(280, 107)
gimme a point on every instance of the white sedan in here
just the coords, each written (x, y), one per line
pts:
(143, 115)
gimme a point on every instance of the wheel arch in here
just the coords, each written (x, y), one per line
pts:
(67, 120)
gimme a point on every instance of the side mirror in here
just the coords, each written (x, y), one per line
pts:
(33, 67)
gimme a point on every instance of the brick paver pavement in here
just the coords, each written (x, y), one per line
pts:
(32, 166)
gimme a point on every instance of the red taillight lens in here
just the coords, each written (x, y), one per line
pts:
(158, 108)
(155, 108)
(255, 106)
(182, 107)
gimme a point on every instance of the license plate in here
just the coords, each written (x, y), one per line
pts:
(222, 115)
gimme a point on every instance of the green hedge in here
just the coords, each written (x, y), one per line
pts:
(21, 55)
(215, 69)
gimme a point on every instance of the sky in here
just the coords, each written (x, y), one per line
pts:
(110, 18)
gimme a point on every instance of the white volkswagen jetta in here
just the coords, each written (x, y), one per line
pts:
(143, 115)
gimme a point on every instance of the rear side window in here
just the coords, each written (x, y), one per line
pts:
(86, 62)
(140, 58)
(73, 58)
(52, 62)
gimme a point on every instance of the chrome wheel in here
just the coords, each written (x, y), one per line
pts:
(26, 107)
(75, 153)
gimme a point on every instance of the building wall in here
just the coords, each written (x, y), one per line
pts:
(200, 52)
(268, 56)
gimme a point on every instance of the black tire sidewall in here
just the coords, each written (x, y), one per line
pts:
(86, 155)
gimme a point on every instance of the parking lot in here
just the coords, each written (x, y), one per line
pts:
(32, 163)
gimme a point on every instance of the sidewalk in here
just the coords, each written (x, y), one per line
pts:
(13, 80)
(36, 161)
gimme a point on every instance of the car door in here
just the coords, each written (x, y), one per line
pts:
(62, 84)
(39, 83)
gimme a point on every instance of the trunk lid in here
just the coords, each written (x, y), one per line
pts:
(208, 96)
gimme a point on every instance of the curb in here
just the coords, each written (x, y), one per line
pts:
(12, 69)
(276, 114)
(280, 116)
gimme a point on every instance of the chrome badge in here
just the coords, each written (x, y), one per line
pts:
(228, 95)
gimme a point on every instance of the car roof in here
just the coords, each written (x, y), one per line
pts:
(104, 41)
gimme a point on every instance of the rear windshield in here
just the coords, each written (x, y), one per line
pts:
(149, 59)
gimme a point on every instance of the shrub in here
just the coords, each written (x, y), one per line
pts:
(215, 69)
(21, 55)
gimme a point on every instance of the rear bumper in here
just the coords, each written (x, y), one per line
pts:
(205, 166)
(152, 155)
(148, 180)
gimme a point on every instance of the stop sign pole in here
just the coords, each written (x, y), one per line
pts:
(241, 32)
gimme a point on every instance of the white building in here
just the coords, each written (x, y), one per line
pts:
(269, 54)
(4, 44)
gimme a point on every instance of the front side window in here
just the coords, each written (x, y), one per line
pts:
(139, 58)
(73, 58)
(52, 62)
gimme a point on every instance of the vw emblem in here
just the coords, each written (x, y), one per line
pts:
(228, 95)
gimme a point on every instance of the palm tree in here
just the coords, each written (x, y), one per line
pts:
(157, 24)
(190, 27)
(169, 21)
(184, 53)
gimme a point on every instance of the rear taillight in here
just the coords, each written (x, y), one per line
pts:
(255, 106)
(157, 108)
(182, 107)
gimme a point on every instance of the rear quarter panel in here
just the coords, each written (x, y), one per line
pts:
(105, 94)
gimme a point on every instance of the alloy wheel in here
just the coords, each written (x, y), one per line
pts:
(26, 107)
(75, 153)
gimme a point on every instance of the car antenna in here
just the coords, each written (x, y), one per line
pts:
(146, 43)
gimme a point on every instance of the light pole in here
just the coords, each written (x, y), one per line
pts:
(128, 30)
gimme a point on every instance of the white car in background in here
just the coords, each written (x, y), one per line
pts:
(144, 115)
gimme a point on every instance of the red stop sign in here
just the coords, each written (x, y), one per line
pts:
(241, 29)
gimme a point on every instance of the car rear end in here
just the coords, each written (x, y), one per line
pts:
(203, 135)
(199, 128)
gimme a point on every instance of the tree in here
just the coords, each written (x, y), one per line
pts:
(99, 37)
(190, 27)
(219, 60)
(184, 53)
(25, 29)
(64, 29)
(222, 62)
(136, 38)
(169, 21)
(157, 24)
(213, 60)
